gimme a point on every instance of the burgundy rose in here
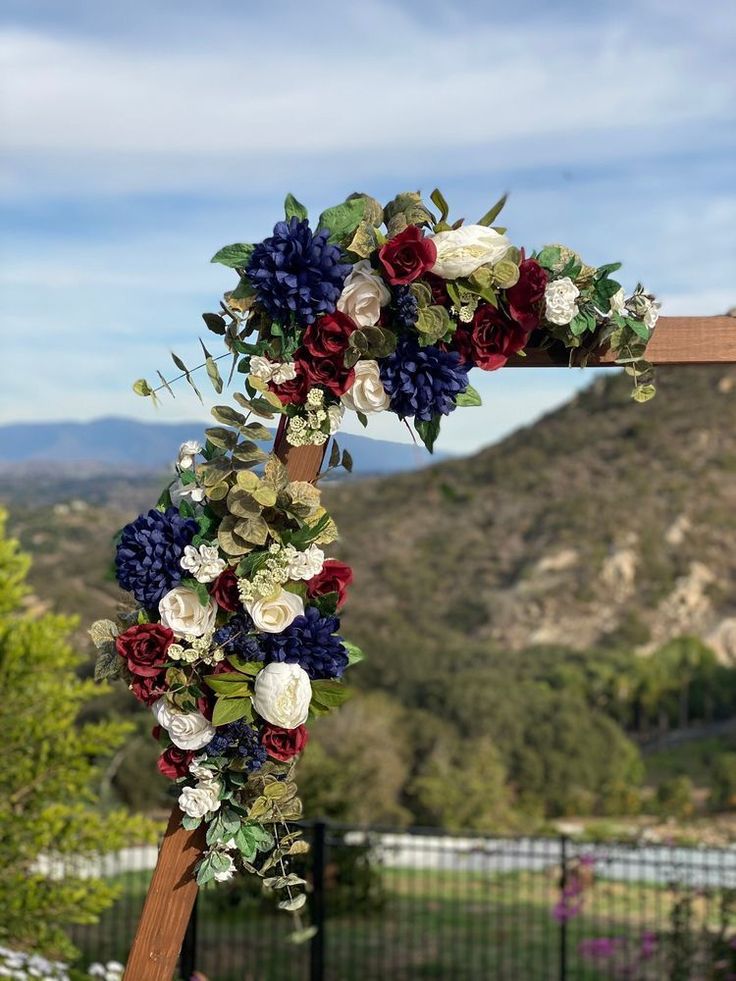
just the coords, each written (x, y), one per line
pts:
(407, 256)
(224, 591)
(144, 648)
(174, 762)
(293, 392)
(491, 340)
(335, 577)
(330, 373)
(282, 744)
(525, 297)
(328, 336)
(438, 285)
(148, 690)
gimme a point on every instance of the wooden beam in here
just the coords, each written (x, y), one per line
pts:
(676, 340)
(173, 888)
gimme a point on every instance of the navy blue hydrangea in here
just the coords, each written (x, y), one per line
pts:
(235, 637)
(311, 642)
(297, 272)
(148, 554)
(422, 381)
(238, 739)
(406, 307)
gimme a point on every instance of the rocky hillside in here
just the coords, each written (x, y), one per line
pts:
(607, 523)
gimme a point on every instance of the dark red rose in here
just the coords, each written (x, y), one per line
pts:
(282, 744)
(525, 298)
(224, 591)
(491, 340)
(148, 690)
(330, 373)
(407, 256)
(440, 296)
(335, 577)
(293, 392)
(174, 762)
(328, 336)
(144, 648)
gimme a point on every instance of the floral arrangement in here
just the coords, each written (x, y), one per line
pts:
(234, 638)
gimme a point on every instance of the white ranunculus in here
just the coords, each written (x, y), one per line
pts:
(463, 250)
(282, 694)
(271, 371)
(187, 730)
(181, 610)
(559, 301)
(363, 295)
(179, 491)
(618, 302)
(367, 393)
(187, 453)
(201, 800)
(305, 565)
(204, 562)
(274, 614)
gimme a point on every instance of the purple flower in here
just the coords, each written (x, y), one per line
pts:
(237, 637)
(599, 948)
(423, 382)
(311, 642)
(148, 554)
(238, 739)
(297, 273)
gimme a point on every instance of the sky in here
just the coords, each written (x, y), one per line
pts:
(138, 138)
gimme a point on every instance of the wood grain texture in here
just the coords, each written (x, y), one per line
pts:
(676, 340)
(173, 888)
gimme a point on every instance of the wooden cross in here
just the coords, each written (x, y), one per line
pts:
(171, 894)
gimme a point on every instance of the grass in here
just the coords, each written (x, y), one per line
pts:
(431, 924)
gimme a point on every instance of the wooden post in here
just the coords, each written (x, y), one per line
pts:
(173, 888)
(166, 911)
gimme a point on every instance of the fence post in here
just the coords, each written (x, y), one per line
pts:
(317, 947)
(188, 960)
(563, 917)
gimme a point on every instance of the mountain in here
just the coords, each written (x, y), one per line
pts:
(94, 447)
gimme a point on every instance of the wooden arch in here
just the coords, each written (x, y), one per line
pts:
(171, 894)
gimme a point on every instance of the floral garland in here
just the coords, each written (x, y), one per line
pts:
(234, 638)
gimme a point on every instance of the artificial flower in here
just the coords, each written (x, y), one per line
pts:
(174, 762)
(311, 642)
(422, 381)
(524, 299)
(202, 800)
(618, 302)
(271, 371)
(407, 256)
(367, 393)
(282, 693)
(148, 554)
(144, 648)
(304, 564)
(294, 391)
(187, 730)
(559, 301)
(179, 491)
(238, 740)
(461, 251)
(363, 295)
(296, 272)
(328, 336)
(187, 453)
(274, 614)
(335, 577)
(204, 562)
(491, 339)
(148, 689)
(224, 591)
(284, 744)
(226, 873)
(331, 373)
(182, 610)
(406, 307)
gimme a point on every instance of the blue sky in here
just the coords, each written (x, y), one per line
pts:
(139, 138)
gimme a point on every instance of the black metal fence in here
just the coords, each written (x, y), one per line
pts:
(423, 904)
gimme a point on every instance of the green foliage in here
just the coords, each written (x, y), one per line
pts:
(723, 782)
(50, 770)
(675, 798)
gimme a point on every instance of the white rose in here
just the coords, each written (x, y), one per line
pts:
(305, 565)
(204, 563)
(187, 730)
(334, 415)
(282, 694)
(618, 302)
(651, 313)
(201, 800)
(363, 295)
(559, 301)
(181, 610)
(462, 250)
(367, 393)
(270, 371)
(179, 491)
(224, 874)
(275, 614)
(201, 773)
(187, 453)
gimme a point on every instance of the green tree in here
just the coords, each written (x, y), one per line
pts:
(49, 772)
(723, 782)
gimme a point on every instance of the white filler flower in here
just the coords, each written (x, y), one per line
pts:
(282, 694)
(367, 393)
(204, 563)
(187, 453)
(274, 614)
(559, 301)
(201, 800)
(181, 610)
(463, 250)
(363, 295)
(187, 730)
(270, 371)
(304, 565)
(180, 491)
